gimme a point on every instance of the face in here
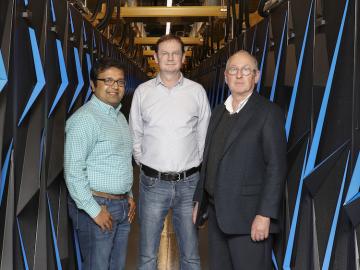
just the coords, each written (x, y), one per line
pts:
(111, 95)
(169, 56)
(241, 83)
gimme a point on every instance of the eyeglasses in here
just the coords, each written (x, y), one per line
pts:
(111, 82)
(244, 71)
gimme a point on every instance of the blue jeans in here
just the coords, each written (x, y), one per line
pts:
(156, 198)
(102, 250)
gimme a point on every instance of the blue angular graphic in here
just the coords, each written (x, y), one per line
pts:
(320, 122)
(26, 265)
(84, 32)
(77, 249)
(253, 41)
(330, 243)
(3, 75)
(93, 41)
(52, 11)
(63, 75)
(316, 139)
(88, 62)
(79, 76)
(39, 75)
(357, 196)
(297, 77)
(273, 258)
(263, 58)
(4, 171)
(42, 147)
(290, 243)
(57, 255)
(273, 88)
(71, 22)
(353, 191)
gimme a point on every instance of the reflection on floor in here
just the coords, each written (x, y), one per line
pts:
(133, 246)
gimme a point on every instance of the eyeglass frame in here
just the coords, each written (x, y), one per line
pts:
(241, 70)
(108, 80)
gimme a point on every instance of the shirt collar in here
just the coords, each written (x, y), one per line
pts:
(179, 82)
(229, 107)
(106, 108)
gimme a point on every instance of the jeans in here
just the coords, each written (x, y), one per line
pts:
(102, 250)
(156, 198)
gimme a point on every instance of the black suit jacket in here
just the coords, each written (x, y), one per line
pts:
(251, 171)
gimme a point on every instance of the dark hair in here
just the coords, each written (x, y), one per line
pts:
(167, 38)
(103, 64)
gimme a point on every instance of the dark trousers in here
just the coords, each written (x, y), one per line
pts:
(236, 252)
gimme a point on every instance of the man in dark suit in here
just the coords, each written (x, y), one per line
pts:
(242, 177)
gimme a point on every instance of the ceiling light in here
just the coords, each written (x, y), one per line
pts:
(168, 4)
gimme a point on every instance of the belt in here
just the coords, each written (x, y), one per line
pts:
(168, 176)
(110, 196)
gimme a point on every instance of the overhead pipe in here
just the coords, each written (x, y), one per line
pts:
(246, 14)
(117, 29)
(122, 43)
(266, 6)
(108, 15)
(241, 16)
(211, 35)
(96, 10)
(134, 52)
(228, 18)
(130, 46)
(208, 40)
(205, 44)
(233, 9)
(195, 56)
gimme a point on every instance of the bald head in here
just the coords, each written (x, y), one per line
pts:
(244, 54)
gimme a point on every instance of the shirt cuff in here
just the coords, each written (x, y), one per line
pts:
(93, 209)
(130, 193)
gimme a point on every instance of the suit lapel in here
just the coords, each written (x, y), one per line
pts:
(244, 116)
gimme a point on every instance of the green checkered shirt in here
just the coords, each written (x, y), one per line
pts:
(97, 154)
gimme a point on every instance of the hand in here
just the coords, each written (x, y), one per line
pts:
(260, 228)
(194, 215)
(104, 219)
(132, 207)
(194, 212)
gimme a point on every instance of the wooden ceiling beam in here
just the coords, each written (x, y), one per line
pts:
(178, 11)
(181, 11)
(161, 13)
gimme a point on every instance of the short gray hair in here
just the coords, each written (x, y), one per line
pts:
(246, 53)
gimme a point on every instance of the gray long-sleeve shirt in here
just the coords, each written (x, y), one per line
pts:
(169, 125)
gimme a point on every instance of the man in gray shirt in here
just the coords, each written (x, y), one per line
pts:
(168, 120)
